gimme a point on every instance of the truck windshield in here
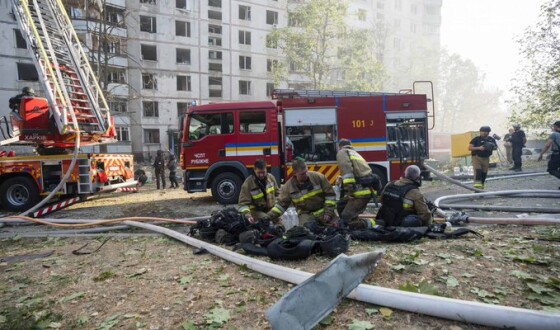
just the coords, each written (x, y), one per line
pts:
(201, 125)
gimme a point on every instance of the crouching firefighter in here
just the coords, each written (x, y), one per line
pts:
(312, 195)
(359, 185)
(403, 203)
(258, 193)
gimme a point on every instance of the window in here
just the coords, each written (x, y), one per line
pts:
(216, 29)
(214, 55)
(20, 41)
(214, 14)
(215, 67)
(116, 75)
(151, 109)
(269, 89)
(244, 37)
(214, 41)
(183, 56)
(252, 122)
(184, 83)
(181, 4)
(397, 24)
(271, 42)
(245, 62)
(149, 81)
(398, 4)
(149, 52)
(118, 105)
(113, 45)
(148, 24)
(201, 125)
(151, 135)
(413, 28)
(397, 43)
(182, 29)
(413, 9)
(362, 14)
(215, 3)
(271, 64)
(271, 17)
(182, 108)
(244, 87)
(122, 133)
(215, 86)
(113, 15)
(27, 71)
(245, 13)
(151, 2)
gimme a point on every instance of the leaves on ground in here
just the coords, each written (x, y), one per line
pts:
(218, 316)
(360, 325)
(423, 287)
(73, 296)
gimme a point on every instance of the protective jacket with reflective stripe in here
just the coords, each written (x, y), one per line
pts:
(352, 167)
(401, 198)
(252, 197)
(316, 197)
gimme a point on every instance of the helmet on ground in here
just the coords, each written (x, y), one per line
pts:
(290, 249)
(334, 245)
(485, 129)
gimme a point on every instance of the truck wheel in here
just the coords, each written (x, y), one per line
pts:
(19, 193)
(226, 188)
(381, 175)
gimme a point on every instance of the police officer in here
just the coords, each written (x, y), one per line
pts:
(358, 186)
(403, 203)
(159, 169)
(16, 100)
(312, 195)
(481, 148)
(518, 140)
(258, 193)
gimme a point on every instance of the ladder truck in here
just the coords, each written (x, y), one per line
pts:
(72, 114)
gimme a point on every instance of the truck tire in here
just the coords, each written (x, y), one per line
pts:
(381, 175)
(226, 188)
(19, 193)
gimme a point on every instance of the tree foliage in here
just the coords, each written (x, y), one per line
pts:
(320, 47)
(536, 100)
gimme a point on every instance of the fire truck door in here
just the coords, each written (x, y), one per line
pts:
(257, 138)
(212, 139)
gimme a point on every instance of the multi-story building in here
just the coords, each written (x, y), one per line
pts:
(156, 57)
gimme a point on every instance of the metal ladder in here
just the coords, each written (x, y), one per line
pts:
(67, 78)
(84, 183)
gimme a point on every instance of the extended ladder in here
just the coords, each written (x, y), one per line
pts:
(313, 93)
(67, 78)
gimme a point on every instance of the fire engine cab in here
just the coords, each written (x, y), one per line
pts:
(221, 142)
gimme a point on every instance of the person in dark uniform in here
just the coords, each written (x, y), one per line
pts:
(159, 169)
(518, 140)
(16, 100)
(172, 166)
(481, 148)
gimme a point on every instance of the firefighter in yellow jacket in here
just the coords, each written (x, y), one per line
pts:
(311, 194)
(358, 186)
(258, 193)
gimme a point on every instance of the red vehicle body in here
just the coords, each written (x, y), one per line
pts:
(222, 141)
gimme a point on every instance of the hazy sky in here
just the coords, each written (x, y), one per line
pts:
(485, 31)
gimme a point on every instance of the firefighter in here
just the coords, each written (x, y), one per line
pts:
(16, 100)
(481, 148)
(258, 193)
(312, 195)
(159, 168)
(172, 167)
(402, 202)
(359, 184)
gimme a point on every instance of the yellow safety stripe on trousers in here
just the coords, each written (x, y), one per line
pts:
(349, 180)
(278, 209)
(308, 195)
(361, 193)
(245, 209)
(319, 212)
(330, 201)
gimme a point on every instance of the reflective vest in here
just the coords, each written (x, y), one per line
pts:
(395, 206)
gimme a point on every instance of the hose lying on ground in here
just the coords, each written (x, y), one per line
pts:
(75, 223)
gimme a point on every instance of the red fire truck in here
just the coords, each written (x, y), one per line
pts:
(221, 142)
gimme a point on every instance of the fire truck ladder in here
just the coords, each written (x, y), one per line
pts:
(65, 73)
(313, 93)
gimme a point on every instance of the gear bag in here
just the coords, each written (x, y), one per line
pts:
(409, 234)
(298, 243)
(230, 220)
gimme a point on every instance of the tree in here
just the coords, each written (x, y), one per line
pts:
(319, 46)
(536, 99)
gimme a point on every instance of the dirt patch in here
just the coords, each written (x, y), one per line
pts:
(154, 282)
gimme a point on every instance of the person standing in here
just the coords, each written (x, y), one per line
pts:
(553, 142)
(358, 186)
(507, 145)
(159, 169)
(518, 141)
(312, 195)
(481, 148)
(258, 193)
(172, 167)
(402, 202)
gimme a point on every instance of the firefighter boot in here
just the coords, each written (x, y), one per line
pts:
(478, 179)
(483, 178)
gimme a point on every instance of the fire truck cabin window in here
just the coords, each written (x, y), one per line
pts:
(252, 122)
(201, 125)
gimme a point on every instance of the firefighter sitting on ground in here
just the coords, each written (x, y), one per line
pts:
(16, 100)
(258, 193)
(312, 195)
(402, 202)
(481, 148)
(358, 185)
